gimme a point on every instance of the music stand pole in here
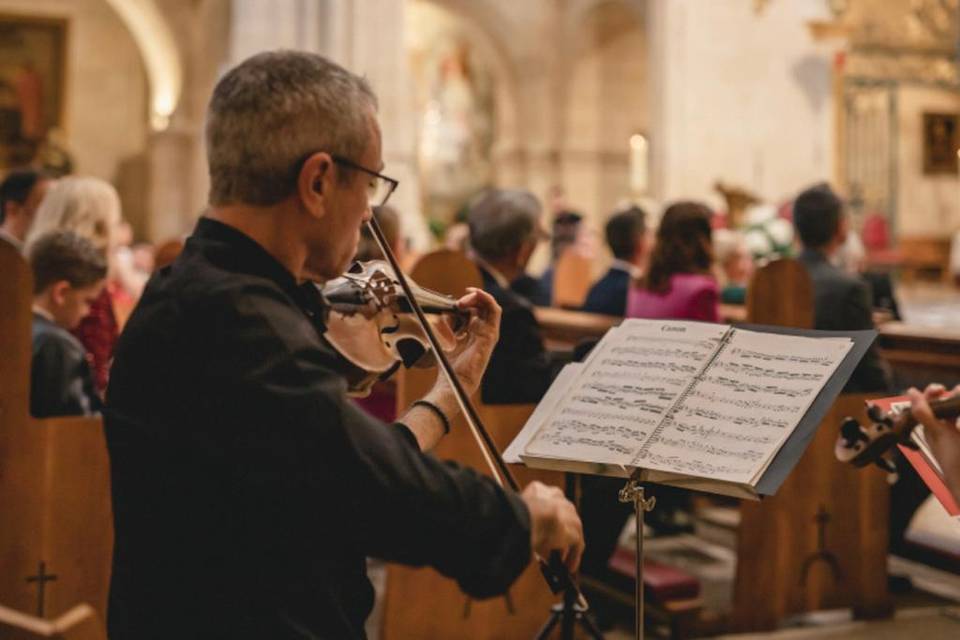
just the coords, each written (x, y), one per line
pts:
(633, 492)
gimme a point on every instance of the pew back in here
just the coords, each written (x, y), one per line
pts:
(781, 293)
(56, 536)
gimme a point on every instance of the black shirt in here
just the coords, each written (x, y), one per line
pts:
(61, 383)
(247, 489)
(521, 369)
(842, 302)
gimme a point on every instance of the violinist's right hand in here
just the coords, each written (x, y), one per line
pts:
(554, 524)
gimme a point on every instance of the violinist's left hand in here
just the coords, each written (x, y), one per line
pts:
(469, 360)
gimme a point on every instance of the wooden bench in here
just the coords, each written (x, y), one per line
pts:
(57, 535)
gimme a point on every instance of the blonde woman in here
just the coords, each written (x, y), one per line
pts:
(90, 207)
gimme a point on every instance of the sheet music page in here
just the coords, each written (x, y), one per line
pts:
(551, 398)
(745, 405)
(632, 378)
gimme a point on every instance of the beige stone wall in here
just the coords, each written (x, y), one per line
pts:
(106, 94)
(927, 205)
(740, 97)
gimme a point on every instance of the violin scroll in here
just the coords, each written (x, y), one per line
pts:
(374, 329)
(861, 446)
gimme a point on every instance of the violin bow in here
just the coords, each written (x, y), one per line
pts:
(554, 572)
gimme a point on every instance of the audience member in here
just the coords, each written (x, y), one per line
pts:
(842, 301)
(679, 283)
(68, 275)
(628, 239)
(89, 207)
(734, 265)
(539, 291)
(503, 234)
(20, 194)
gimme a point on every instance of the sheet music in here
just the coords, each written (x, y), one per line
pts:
(744, 406)
(550, 400)
(631, 380)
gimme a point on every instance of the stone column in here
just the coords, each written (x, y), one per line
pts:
(367, 37)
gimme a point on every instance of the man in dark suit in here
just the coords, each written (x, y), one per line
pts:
(627, 237)
(842, 301)
(504, 231)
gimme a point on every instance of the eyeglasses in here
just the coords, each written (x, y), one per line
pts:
(380, 187)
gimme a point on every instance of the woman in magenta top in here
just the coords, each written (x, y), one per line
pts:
(679, 284)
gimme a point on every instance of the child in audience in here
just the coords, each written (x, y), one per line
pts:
(68, 275)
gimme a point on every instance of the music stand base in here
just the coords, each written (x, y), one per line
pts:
(569, 617)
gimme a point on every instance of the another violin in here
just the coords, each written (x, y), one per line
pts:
(861, 446)
(374, 328)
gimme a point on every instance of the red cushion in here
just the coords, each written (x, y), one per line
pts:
(661, 582)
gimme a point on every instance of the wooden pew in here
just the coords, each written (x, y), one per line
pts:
(450, 613)
(920, 355)
(56, 536)
(782, 569)
(572, 278)
(821, 542)
(79, 623)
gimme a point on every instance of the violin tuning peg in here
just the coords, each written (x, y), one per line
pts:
(851, 431)
(876, 414)
(887, 465)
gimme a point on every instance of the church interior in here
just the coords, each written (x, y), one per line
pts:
(602, 110)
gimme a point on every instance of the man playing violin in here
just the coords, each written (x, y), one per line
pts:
(247, 490)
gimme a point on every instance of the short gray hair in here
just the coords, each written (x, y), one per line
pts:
(268, 114)
(501, 220)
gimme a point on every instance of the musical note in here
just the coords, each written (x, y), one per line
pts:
(558, 439)
(607, 375)
(746, 387)
(689, 466)
(633, 365)
(750, 405)
(591, 428)
(753, 371)
(706, 345)
(748, 455)
(737, 419)
(605, 415)
(709, 433)
(822, 361)
(638, 404)
(660, 352)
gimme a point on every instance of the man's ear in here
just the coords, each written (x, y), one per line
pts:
(316, 181)
(59, 291)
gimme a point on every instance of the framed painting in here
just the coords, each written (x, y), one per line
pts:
(32, 82)
(940, 143)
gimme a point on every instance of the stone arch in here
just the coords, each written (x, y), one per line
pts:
(161, 56)
(492, 31)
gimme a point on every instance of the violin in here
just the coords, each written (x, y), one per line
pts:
(861, 446)
(373, 327)
(396, 293)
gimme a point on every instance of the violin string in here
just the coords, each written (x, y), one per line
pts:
(498, 468)
(487, 447)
